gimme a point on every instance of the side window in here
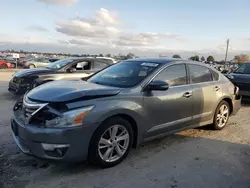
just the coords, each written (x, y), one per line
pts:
(100, 64)
(215, 75)
(174, 75)
(82, 65)
(199, 74)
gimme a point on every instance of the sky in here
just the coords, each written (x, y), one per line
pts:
(144, 27)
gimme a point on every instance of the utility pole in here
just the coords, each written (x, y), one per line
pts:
(226, 52)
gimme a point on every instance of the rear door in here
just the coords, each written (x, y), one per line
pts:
(83, 69)
(207, 92)
(172, 109)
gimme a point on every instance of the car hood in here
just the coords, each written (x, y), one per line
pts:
(240, 78)
(63, 91)
(28, 72)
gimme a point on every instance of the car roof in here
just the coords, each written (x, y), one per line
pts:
(86, 59)
(156, 60)
(80, 58)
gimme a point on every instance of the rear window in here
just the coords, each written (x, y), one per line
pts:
(199, 74)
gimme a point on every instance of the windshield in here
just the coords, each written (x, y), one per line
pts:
(124, 74)
(243, 69)
(59, 64)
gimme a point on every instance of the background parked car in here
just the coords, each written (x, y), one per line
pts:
(70, 69)
(38, 62)
(120, 107)
(5, 64)
(241, 78)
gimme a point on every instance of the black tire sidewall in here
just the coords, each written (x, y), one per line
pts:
(93, 148)
(3, 66)
(215, 124)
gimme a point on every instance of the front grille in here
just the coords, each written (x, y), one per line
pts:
(30, 109)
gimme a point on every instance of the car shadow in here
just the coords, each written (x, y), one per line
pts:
(173, 161)
(245, 102)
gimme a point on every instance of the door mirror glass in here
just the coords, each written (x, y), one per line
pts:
(158, 85)
(70, 70)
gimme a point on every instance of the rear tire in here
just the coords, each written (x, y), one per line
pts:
(3, 66)
(221, 116)
(111, 142)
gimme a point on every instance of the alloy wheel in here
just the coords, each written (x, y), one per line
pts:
(113, 143)
(222, 116)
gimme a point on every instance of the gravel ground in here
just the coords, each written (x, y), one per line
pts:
(190, 159)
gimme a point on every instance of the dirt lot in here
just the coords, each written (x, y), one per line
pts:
(191, 159)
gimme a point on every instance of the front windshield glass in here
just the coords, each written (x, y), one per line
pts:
(124, 74)
(243, 69)
(59, 64)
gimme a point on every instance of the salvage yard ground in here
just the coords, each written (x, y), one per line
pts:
(191, 159)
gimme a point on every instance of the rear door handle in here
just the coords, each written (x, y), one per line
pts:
(216, 88)
(187, 94)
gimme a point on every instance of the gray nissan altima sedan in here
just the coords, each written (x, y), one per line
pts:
(102, 117)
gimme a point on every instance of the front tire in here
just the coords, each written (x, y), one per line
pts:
(3, 66)
(111, 142)
(221, 116)
(31, 66)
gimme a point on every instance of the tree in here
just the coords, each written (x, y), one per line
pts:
(202, 58)
(210, 58)
(100, 55)
(195, 58)
(130, 56)
(108, 55)
(242, 58)
(176, 56)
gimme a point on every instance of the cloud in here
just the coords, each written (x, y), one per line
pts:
(99, 26)
(37, 28)
(107, 27)
(89, 42)
(104, 31)
(106, 17)
(60, 2)
(223, 48)
(143, 39)
(84, 29)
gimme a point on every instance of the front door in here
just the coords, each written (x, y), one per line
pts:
(41, 62)
(82, 69)
(172, 109)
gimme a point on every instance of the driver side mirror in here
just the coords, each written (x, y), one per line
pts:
(158, 85)
(70, 70)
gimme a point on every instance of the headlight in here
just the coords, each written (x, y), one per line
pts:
(70, 119)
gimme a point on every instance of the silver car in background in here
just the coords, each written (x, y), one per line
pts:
(38, 62)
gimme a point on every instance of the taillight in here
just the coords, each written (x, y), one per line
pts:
(236, 90)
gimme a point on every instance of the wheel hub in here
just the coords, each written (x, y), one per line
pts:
(113, 143)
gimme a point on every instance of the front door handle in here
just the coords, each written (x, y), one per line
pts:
(216, 88)
(187, 94)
